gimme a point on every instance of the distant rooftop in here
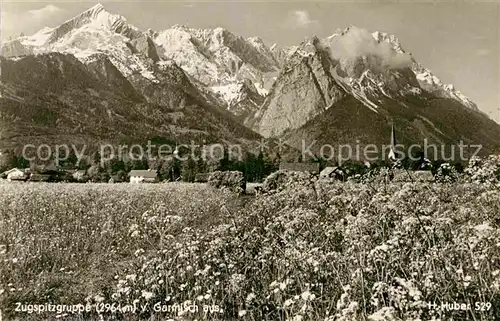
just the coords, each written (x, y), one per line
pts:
(146, 173)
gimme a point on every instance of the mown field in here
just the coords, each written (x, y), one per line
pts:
(309, 250)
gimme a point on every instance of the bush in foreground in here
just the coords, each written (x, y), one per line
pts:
(232, 180)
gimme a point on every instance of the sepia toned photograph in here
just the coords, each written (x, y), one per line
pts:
(176, 160)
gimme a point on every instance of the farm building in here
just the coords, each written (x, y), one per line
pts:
(332, 172)
(312, 168)
(143, 176)
(16, 174)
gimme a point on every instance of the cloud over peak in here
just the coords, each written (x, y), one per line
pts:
(300, 19)
(358, 42)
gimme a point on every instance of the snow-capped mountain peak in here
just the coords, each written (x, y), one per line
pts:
(97, 18)
(93, 11)
(93, 32)
(96, 8)
(358, 50)
(391, 39)
(220, 60)
(367, 65)
(97, 15)
(81, 30)
(214, 58)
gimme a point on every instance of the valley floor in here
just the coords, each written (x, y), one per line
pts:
(306, 251)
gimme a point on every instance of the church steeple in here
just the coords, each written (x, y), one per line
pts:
(392, 153)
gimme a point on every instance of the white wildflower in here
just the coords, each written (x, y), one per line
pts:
(307, 296)
(131, 277)
(98, 298)
(250, 297)
(147, 295)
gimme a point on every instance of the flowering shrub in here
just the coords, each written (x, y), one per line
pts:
(307, 250)
(378, 175)
(446, 173)
(484, 170)
(282, 179)
(233, 180)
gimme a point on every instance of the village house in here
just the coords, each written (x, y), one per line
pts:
(16, 174)
(143, 176)
(332, 172)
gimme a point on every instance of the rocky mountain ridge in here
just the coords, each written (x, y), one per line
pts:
(347, 89)
(217, 60)
(277, 91)
(54, 98)
(373, 69)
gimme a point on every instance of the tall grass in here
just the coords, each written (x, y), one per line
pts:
(311, 250)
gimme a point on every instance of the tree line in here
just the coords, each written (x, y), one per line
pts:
(255, 167)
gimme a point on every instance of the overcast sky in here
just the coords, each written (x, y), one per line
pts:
(459, 42)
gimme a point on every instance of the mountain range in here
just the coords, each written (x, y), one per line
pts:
(98, 78)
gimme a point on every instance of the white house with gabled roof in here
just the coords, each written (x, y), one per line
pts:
(143, 176)
(16, 174)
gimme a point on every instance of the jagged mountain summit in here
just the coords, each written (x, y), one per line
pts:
(217, 56)
(426, 79)
(350, 86)
(84, 75)
(352, 77)
(233, 72)
(368, 66)
(237, 70)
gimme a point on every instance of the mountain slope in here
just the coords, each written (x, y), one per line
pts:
(356, 81)
(215, 59)
(222, 62)
(352, 85)
(438, 122)
(63, 101)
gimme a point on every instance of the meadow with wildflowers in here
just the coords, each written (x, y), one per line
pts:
(306, 249)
